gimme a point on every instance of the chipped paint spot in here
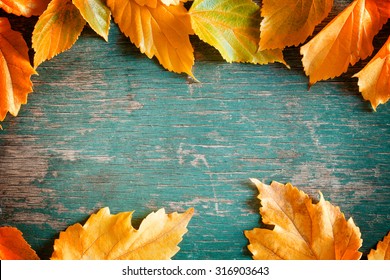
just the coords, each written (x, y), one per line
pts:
(133, 104)
(200, 203)
(197, 158)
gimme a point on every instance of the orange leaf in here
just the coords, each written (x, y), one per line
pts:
(374, 78)
(112, 237)
(290, 22)
(382, 251)
(13, 246)
(302, 230)
(345, 40)
(57, 29)
(158, 30)
(172, 2)
(15, 70)
(25, 8)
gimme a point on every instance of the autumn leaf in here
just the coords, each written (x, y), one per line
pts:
(25, 8)
(232, 27)
(112, 237)
(374, 78)
(153, 3)
(157, 30)
(15, 70)
(97, 14)
(345, 40)
(382, 251)
(13, 246)
(302, 230)
(172, 2)
(57, 29)
(290, 22)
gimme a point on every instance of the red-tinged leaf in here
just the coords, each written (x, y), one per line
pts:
(15, 70)
(345, 40)
(57, 29)
(25, 8)
(13, 246)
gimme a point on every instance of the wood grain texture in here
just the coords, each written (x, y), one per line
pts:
(106, 126)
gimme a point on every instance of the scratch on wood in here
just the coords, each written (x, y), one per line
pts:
(200, 202)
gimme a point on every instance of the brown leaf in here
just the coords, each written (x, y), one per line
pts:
(302, 230)
(112, 237)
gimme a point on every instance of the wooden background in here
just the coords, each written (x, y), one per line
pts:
(106, 126)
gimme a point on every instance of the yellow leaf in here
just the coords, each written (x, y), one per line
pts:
(302, 230)
(172, 2)
(112, 237)
(25, 8)
(57, 29)
(13, 246)
(374, 78)
(15, 70)
(290, 22)
(382, 251)
(345, 40)
(158, 30)
(232, 27)
(97, 14)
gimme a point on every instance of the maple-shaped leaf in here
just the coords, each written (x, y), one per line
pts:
(302, 230)
(157, 30)
(15, 70)
(374, 78)
(57, 29)
(112, 237)
(97, 14)
(13, 246)
(290, 22)
(382, 251)
(25, 8)
(345, 40)
(232, 27)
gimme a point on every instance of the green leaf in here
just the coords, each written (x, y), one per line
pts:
(97, 14)
(233, 28)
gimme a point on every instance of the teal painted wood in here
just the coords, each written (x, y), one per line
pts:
(106, 126)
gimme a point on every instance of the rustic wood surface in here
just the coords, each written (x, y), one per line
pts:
(106, 126)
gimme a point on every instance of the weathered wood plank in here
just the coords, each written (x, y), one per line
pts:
(106, 126)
